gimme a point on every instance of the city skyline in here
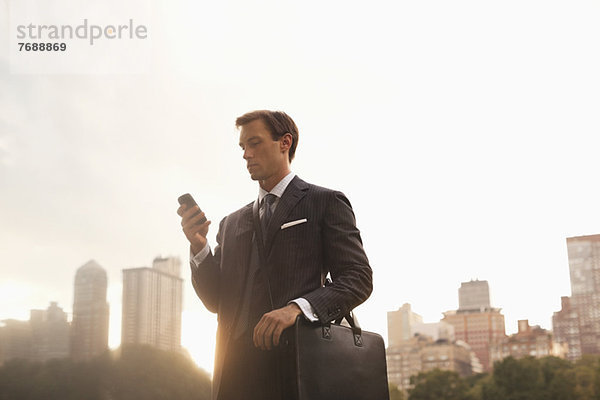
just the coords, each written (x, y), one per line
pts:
(468, 339)
(474, 293)
(464, 134)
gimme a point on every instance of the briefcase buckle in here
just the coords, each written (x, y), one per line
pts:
(358, 340)
(326, 332)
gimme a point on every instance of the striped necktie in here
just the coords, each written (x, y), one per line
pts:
(268, 212)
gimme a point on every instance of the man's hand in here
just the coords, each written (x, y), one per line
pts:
(268, 330)
(196, 234)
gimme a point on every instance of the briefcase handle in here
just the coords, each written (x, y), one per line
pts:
(356, 329)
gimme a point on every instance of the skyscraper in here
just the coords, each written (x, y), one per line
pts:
(584, 268)
(89, 332)
(152, 305)
(474, 295)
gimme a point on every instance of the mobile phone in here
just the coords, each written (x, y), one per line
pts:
(189, 201)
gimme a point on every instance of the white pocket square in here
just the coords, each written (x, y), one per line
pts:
(292, 223)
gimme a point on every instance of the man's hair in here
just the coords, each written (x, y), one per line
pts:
(277, 122)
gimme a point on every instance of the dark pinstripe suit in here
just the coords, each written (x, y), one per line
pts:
(298, 259)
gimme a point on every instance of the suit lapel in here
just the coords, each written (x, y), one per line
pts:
(243, 232)
(245, 221)
(291, 196)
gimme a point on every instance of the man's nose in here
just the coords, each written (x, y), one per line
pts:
(247, 154)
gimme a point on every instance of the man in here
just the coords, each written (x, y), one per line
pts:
(308, 232)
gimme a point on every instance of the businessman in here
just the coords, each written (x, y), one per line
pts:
(308, 232)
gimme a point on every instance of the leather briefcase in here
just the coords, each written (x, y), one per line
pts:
(333, 362)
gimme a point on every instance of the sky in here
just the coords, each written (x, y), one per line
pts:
(465, 134)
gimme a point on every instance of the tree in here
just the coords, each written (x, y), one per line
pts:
(438, 385)
(517, 380)
(395, 393)
(585, 381)
(476, 384)
(15, 379)
(559, 378)
(141, 372)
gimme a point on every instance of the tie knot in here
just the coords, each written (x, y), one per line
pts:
(269, 199)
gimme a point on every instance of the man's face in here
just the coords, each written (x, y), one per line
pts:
(264, 156)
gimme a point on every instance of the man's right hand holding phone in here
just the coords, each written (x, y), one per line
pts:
(194, 224)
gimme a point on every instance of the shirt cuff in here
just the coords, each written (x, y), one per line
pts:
(196, 260)
(306, 308)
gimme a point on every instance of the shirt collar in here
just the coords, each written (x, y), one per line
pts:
(278, 189)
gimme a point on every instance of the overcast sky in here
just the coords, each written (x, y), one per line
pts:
(465, 134)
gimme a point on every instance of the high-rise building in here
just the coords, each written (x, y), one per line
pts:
(474, 295)
(89, 333)
(152, 305)
(565, 325)
(584, 268)
(50, 332)
(584, 264)
(399, 324)
(475, 322)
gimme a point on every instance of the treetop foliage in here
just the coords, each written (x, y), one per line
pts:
(138, 372)
(548, 378)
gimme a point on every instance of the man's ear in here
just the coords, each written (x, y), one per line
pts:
(285, 142)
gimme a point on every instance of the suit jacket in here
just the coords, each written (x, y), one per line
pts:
(298, 259)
